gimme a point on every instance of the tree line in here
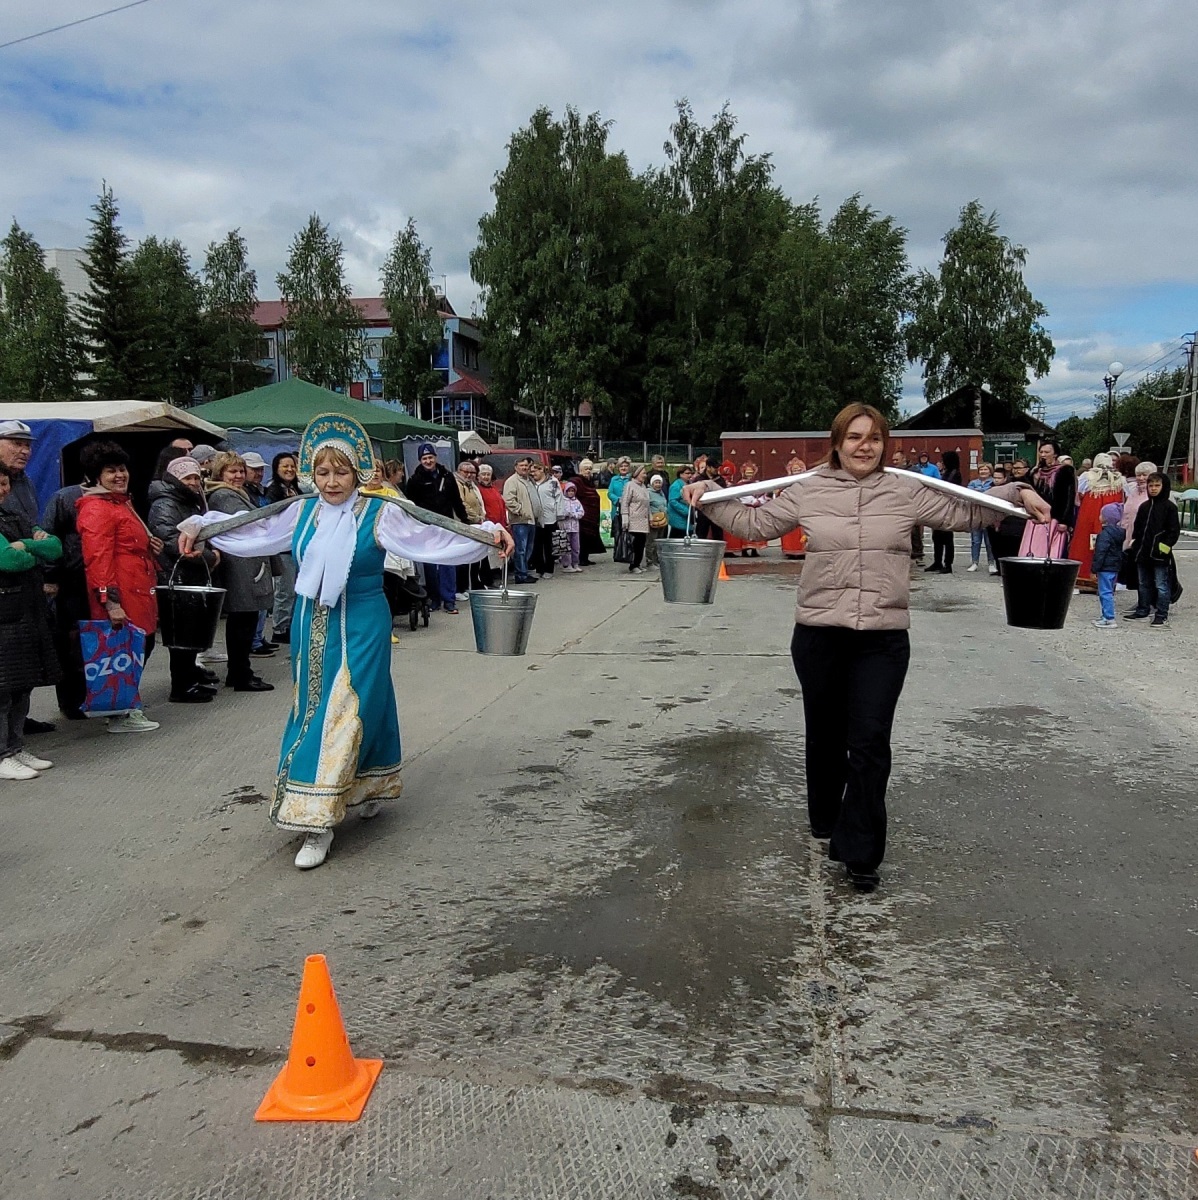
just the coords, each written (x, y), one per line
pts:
(150, 327)
(688, 298)
(696, 296)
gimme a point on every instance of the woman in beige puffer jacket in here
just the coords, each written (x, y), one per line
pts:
(851, 647)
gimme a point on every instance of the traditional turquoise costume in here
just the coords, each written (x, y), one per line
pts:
(341, 746)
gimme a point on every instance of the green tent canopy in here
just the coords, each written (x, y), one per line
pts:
(294, 402)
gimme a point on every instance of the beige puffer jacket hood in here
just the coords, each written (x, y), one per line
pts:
(858, 569)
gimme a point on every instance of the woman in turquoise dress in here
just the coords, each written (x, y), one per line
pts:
(341, 746)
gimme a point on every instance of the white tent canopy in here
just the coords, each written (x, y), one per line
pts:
(472, 442)
(107, 416)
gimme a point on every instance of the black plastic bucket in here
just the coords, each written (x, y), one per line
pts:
(1037, 591)
(188, 616)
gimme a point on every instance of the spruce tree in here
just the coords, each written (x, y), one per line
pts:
(110, 312)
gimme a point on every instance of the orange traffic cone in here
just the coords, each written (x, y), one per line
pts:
(723, 571)
(322, 1080)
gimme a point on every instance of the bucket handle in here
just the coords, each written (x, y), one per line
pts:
(690, 517)
(170, 583)
(503, 593)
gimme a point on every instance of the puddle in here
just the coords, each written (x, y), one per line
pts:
(706, 917)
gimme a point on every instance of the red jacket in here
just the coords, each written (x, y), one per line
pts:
(494, 506)
(116, 556)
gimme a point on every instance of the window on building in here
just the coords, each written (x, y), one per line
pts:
(266, 348)
(467, 354)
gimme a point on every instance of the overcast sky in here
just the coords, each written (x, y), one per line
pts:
(1073, 120)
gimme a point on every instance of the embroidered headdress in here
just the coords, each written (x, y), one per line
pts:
(342, 433)
(326, 560)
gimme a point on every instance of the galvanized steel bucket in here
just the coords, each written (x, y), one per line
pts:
(689, 568)
(503, 619)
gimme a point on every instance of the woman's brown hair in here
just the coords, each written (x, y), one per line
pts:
(840, 429)
(222, 462)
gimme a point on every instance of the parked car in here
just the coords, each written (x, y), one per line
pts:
(503, 461)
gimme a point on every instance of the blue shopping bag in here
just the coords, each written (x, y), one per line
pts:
(112, 664)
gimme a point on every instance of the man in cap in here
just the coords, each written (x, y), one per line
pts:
(16, 448)
(431, 486)
(204, 454)
(255, 468)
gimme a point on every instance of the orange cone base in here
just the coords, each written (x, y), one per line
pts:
(283, 1103)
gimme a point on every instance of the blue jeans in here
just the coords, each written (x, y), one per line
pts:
(442, 585)
(1154, 584)
(523, 536)
(976, 538)
(1106, 593)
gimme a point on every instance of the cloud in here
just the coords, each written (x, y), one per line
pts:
(1070, 119)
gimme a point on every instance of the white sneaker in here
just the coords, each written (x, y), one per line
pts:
(370, 809)
(32, 761)
(11, 769)
(134, 721)
(314, 850)
(1103, 623)
(993, 568)
(212, 656)
(463, 595)
(972, 567)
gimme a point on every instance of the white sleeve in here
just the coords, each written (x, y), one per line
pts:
(401, 534)
(267, 535)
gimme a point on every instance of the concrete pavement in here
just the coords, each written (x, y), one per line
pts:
(594, 944)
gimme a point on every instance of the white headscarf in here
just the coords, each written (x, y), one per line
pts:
(328, 556)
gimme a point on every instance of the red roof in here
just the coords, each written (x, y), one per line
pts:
(467, 385)
(270, 314)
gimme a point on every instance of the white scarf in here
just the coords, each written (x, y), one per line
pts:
(327, 557)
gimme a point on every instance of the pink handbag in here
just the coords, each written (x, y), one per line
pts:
(1044, 541)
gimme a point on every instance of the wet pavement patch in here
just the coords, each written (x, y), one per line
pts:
(704, 916)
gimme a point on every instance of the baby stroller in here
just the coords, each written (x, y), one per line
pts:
(405, 592)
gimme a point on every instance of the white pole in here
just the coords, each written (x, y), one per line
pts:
(761, 487)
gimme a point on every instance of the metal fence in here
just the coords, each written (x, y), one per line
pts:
(601, 449)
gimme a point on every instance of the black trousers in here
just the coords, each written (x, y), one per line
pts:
(851, 681)
(184, 671)
(542, 560)
(70, 607)
(944, 549)
(636, 546)
(239, 641)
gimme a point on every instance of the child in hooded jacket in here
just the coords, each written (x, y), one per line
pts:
(1154, 535)
(568, 524)
(1107, 561)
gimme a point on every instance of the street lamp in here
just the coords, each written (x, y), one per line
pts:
(1110, 379)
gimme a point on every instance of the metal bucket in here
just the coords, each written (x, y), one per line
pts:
(502, 620)
(189, 616)
(1037, 591)
(689, 569)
